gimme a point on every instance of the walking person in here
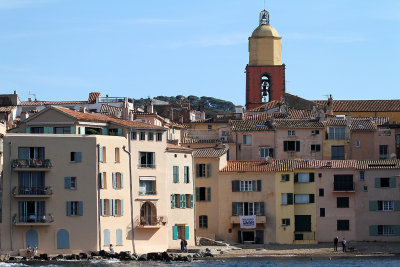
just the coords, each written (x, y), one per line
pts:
(34, 250)
(335, 243)
(344, 244)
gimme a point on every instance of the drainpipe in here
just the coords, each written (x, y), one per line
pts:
(194, 199)
(130, 189)
(98, 193)
(10, 195)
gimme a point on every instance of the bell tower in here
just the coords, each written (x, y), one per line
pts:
(265, 73)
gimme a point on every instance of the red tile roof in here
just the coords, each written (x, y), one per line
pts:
(176, 147)
(363, 105)
(92, 97)
(7, 108)
(362, 125)
(267, 106)
(47, 103)
(209, 153)
(250, 125)
(248, 166)
(300, 123)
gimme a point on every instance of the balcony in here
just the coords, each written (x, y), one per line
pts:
(32, 164)
(146, 166)
(259, 219)
(344, 187)
(150, 222)
(147, 193)
(36, 192)
(33, 220)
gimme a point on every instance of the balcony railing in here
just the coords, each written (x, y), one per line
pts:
(259, 219)
(37, 218)
(32, 163)
(147, 166)
(32, 191)
(150, 221)
(343, 187)
(173, 141)
(147, 192)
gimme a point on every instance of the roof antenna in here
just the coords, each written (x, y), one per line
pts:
(29, 93)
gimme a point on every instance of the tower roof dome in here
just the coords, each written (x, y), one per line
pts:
(264, 30)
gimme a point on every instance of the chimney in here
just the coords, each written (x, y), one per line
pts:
(329, 107)
(15, 92)
(29, 99)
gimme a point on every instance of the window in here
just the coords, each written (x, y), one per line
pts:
(291, 146)
(209, 127)
(385, 182)
(285, 177)
(150, 136)
(177, 200)
(203, 170)
(186, 176)
(314, 132)
(384, 132)
(291, 133)
(158, 136)
(343, 182)
(362, 175)
(133, 135)
(303, 198)
(321, 192)
(37, 130)
(242, 186)
(142, 136)
(287, 198)
(385, 230)
(175, 172)
(383, 205)
(247, 139)
(189, 201)
(62, 130)
(302, 223)
(365, 188)
(76, 157)
(118, 180)
(180, 232)
(266, 152)
(70, 183)
(147, 186)
(337, 152)
(117, 155)
(147, 160)
(203, 193)
(285, 222)
(113, 132)
(343, 225)
(203, 221)
(103, 180)
(315, 148)
(342, 202)
(181, 201)
(357, 143)
(247, 208)
(336, 134)
(105, 207)
(321, 212)
(383, 152)
(112, 207)
(102, 154)
(74, 208)
(304, 177)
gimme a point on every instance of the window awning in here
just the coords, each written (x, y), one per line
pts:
(147, 178)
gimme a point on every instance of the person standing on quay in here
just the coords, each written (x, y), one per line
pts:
(344, 245)
(335, 243)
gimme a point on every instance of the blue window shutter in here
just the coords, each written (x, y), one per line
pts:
(119, 131)
(377, 182)
(48, 130)
(28, 130)
(187, 232)
(191, 201)
(73, 130)
(175, 232)
(80, 204)
(104, 131)
(102, 207)
(121, 211)
(373, 205)
(392, 182)
(100, 154)
(110, 207)
(396, 231)
(101, 180)
(122, 180)
(119, 237)
(373, 230)
(114, 180)
(67, 182)
(68, 208)
(62, 239)
(78, 157)
(106, 237)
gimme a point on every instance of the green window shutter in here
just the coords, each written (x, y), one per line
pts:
(377, 182)
(175, 232)
(73, 130)
(186, 232)
(80, 208)
(311, 175)
(48, 130)
(208, 193)
(197, 194)
(172, 201)
(392, 182)
(197, 170)
(28, 130)
(83, 130)
(183, 201)
(397, 205)
(180, 202)
(177, 173)
(186, 171)
(296, 177)
(373, 205)
(114, 180)
(235, 185)
(259, 185)
(311, 198)
(119, 131)
(396, 230)
(191, 201)
(104, 131)
(290, 198)
(373, 230)
(68, 208)
(285, 145)
(209, 170)
(67, 182)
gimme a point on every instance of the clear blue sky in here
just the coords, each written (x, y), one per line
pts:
(64, 49)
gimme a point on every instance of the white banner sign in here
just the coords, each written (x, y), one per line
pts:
(248, 221)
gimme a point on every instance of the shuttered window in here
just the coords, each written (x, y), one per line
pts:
(118, 235)
(175, 174)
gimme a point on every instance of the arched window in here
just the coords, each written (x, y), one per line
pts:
(148, 214)
(265, 87)
(32, 239)
(62, 239)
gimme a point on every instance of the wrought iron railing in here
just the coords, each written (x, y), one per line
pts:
(151, 220)
(33, 218)
(29, 190)
(32, 163)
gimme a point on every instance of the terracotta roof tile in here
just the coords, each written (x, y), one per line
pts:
(300, 123)
(335, 122)
(7, 108)
(47, 103)
(380, 120)
(110, 110)
(92, 97)
(176, 147)
(378, 164)
(362, 125)
(209, 153)
(267, 106)
(363, 105)
(188, 140)
(250, 125)
(248, 166)
(300, 114)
